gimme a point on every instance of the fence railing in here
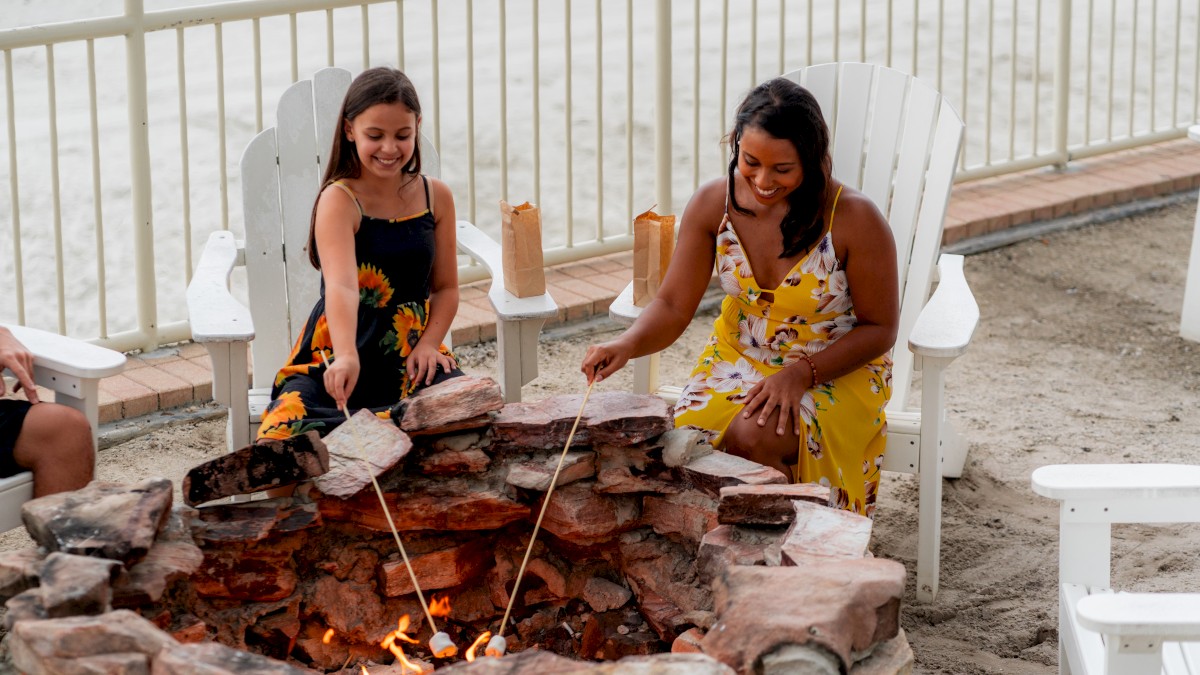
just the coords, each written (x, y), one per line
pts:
(123, 132)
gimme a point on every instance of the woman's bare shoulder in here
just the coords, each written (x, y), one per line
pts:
(857, 211)
(708, 203)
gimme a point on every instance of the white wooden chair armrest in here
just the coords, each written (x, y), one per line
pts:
(947, 322)
(215, 315)
(54, 353)
(622, 310)
(473, 242)
(1124, 482)
(1172, 617)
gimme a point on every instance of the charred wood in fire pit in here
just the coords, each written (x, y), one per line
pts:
(108, 520)
(259, 466)
(767, 504)
(614, 418)
(713, 472)
(536, 475)
(362, 447)
(821, 533)
(844, 607)
(452, 405)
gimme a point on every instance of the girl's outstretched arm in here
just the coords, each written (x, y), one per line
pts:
(425, 359)
(337, 221)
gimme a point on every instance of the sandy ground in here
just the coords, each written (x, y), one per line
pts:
(1076, 360)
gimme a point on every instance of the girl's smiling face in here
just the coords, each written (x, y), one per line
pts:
(384, 137)
(770, 165)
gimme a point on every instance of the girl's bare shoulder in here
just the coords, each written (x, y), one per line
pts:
(707, 204)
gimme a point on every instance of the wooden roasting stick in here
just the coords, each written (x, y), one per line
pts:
(440, 644)
(498, 645)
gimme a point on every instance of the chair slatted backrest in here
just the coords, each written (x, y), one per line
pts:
(898, 141)
(281, 177)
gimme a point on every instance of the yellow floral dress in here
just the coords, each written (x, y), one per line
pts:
(761, 331)
(395, 263)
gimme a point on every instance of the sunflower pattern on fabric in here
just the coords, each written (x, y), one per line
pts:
(395, 262)
(761, 331)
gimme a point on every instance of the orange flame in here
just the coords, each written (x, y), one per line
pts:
(328, 636)
(487, 635)
(398, 634)
(365, 671)
(440, 607)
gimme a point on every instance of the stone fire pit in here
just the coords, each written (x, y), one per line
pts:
(654, 551)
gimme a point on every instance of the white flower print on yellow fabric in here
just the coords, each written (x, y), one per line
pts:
(727, 377)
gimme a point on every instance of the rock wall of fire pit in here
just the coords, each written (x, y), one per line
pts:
(651, 543)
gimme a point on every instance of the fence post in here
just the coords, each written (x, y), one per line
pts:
(662, 107)
(1062, 82)
(142, 212)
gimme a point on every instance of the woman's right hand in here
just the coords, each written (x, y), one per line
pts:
(340, 378)
(604, 359)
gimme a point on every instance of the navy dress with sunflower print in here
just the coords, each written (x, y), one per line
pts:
(395, 263)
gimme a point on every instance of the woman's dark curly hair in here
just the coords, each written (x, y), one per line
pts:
(788, 111)
(371, 87)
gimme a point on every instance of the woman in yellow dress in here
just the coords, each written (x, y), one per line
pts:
(796, 373)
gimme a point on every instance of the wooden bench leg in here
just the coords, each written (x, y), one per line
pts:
(516, 347)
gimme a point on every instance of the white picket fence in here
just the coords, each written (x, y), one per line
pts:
(123, 132)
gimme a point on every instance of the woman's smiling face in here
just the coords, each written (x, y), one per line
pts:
(770, 165)
(385, 137)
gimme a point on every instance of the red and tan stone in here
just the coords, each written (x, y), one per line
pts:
(460, 507)
(434, 570)
(727, 545)
(844, 607)
(35, 645)
(361, 448)
(536, 475)
(610, 418)
(721, 469)
(452, 405)
(767, 504)
(577, 514)
(262, 465)
(685, 516)
(820, 533)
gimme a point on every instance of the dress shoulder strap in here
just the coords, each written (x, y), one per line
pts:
(346, 188)
(428, 194)
(833, 207)
(728, 186)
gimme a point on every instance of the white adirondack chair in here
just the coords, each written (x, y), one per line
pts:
(897, 140)
(281, 174)
(72, 370)
(1189, 321)
(1100, 631)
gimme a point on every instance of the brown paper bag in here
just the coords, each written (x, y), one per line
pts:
(653, 244)
(521, 248)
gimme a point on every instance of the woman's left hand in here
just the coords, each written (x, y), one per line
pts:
(783, 390)
(423, 363)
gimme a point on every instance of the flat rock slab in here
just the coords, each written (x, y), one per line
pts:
(107, 520)
(615, 418)
(728, 545)
(452, 405)
(211, 658)
(843, 607)
(251, 522)
(537, 474)
(75, 584)
(480, 508)
(767, 504)
(547, 663)
(721, 469)
(18, 571)
(360, 448)
(81, 637)
(819, 533)
(435, 570)
(259, 466)
(577, 514)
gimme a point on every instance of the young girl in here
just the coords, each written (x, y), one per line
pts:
(382, 236)
(796, 373)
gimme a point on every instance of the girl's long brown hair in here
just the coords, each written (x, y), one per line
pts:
(371, 87)
(786, 110)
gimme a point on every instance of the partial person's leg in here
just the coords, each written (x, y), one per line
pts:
(745, 438)
(56, 444)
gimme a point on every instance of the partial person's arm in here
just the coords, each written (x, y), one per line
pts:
(425, 359)
(336, 220)
(688, 275)
(18, 359)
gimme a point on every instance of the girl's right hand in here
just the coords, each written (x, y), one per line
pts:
(340, 378)
(604, 359)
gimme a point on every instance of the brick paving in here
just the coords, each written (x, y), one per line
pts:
(181, 375)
